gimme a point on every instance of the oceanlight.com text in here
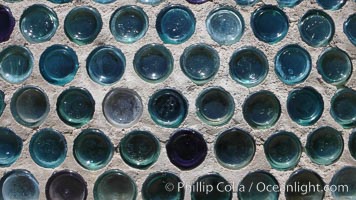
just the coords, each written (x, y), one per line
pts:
(297, 187)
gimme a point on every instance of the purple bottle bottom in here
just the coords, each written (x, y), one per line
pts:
(186, 149)
(197, 1)
(66, 184)
(7, 23)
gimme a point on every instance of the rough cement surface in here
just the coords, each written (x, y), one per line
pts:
(179, 81)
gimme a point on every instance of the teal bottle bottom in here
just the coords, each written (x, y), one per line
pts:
(19, 184)
(304, 177)
(305, 105)
(92, 149)
(168, 107)
(38, 23)
(234, 148)
(343, 107)
(217, 184)
(248, 66)
(16, 64)
(200, 63)
(344, 178)
(261, 109)
(316, 28)
(171, 30)
(215, 106)
(335, 66)
(352, 144)
(48, 148)
(252, 183)
(225, 25)
(155, 187)
(2, 102)
(75, 106)
(10, 147)
(129, 24)
(139, 149)
(324, 145)
(153, 63)
(283, 150)
(29, 106)
(114, 184)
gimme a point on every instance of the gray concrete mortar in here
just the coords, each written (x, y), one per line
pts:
(179, 81)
